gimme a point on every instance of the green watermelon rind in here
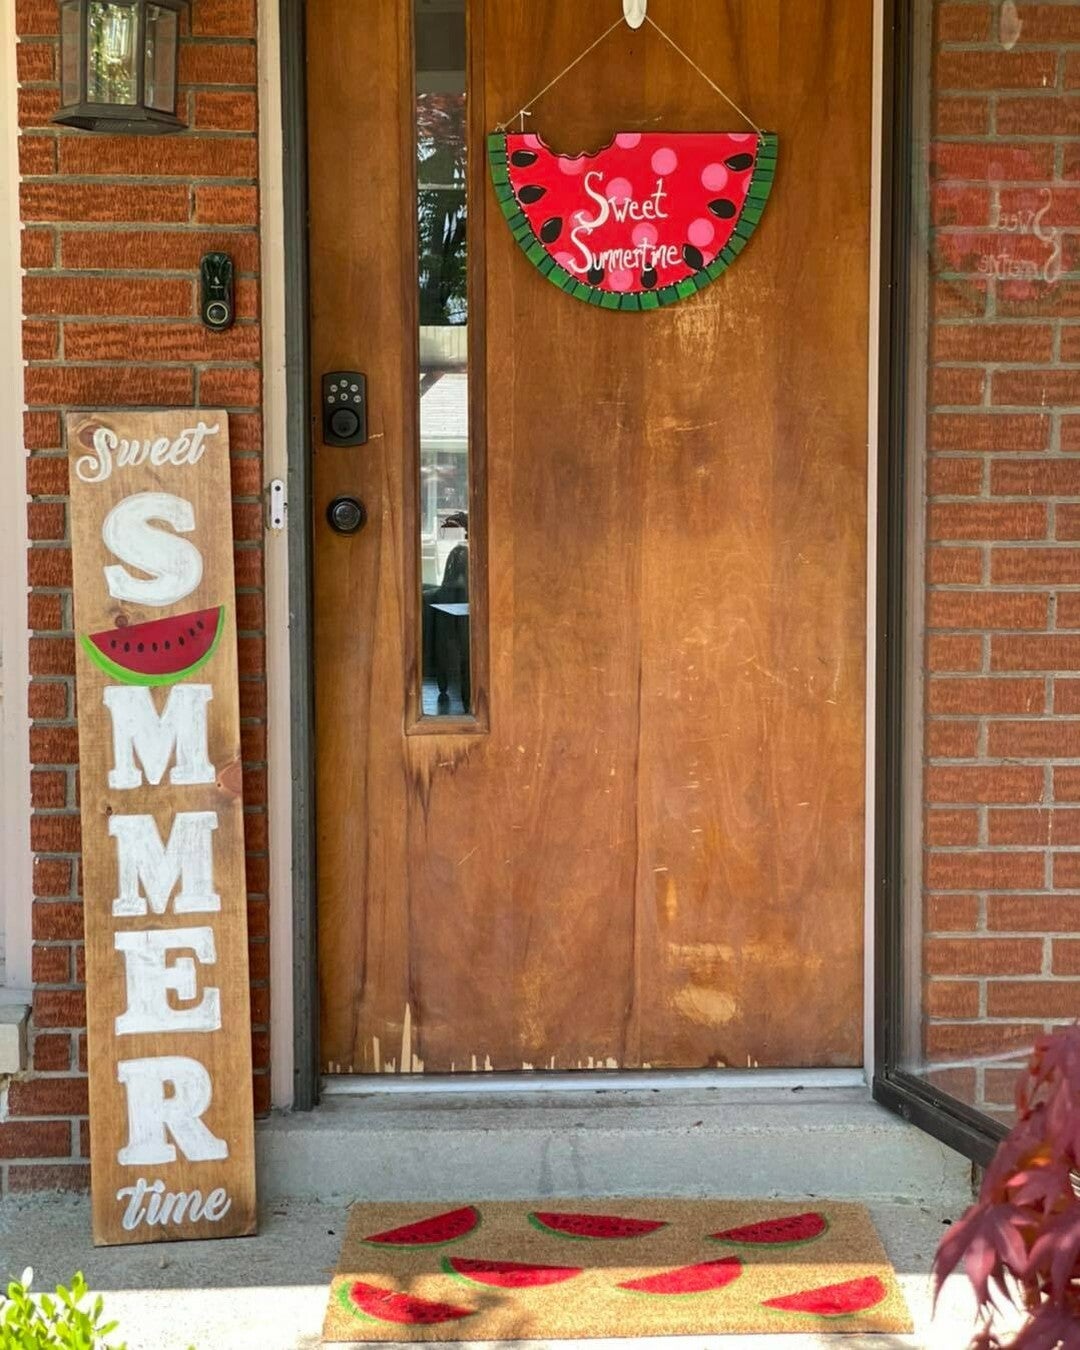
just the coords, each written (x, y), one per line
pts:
(771, 1246)
(448, 1269)
(117, 672)
(757, 194)
(585, 1237)
(427, 1246)
(350, 1307)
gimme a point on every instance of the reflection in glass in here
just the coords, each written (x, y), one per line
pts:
(111, 66)
(160, 58)
(444, 379)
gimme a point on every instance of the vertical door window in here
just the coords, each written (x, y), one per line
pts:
(442, 228)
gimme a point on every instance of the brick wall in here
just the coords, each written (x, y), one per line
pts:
(1002, 738)
(114, 227)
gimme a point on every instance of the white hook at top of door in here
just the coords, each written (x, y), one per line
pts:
(634, 12)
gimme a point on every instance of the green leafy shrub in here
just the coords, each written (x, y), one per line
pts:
(51, 1322)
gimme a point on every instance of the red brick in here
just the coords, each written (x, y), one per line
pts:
(54, 833)
(40, 341)
(1022, 388)
(51, 965)
(989, 431)
(961, 23)
(951, 913)
(86, 201)
(37, 248)
(954, 566)
(1067, 696)
(46, 521)
(1048, 24)
(37, 105)
(225, 111)
(983, 162)
(984, 871)
(54, 745)
(1035, 566)
(250, 615)
(37, 155)
(153, 250)
(951, 740)
(1036, 116)
(970, 785)
(975, 697)
(1035, 998)
(1067, 522)
(1019, 826)
(47, 475)
(47, 699)
(1049, 652)
(57, 920)
(951, 386)
(1033, 913)
(51, 567)
(1048, 739)
(217, 63)
(226, 205)
(958, 299)
(961, 116)
(252, 698)
(36, 17)
(1067, 873)
(52, 876)
(62, 295)
(1068, 610)
(120, 386)
(48, 788)
(48, 1096)
(1066, 959)
(952, 998)
(995, 69)
(1031, 299)
(52, 1052)
(41, 430)
(247, 564)
(159, 342)
(246, 475)
(35, 1139)
(1018, 207)
(161, 156)
(1035, 478)
(245, 432)
(987, 520)
(44, 613)
(1011, 342)
(52, 656)
(986, 610)
(944, 654)
(1066, 783)
(983, 956)
(967, 1040)
(57, 1008)
(28, 1177)
(951, 828)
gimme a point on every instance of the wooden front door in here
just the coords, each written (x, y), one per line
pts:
(590, 774)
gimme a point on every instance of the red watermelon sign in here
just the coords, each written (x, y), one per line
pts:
(649, 220)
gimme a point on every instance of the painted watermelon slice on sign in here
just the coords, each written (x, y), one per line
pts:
(161, 651)
(832, 1300)
(649, 220)
(371, 1301)
(437, 1231)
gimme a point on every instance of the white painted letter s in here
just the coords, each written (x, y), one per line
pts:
(174, 566)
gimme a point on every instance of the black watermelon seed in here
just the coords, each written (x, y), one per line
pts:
(200, 623)
(521, 159)
(140, 648)
(153, 646)
(127, 646)
(191, 632)
(530, 193)
(737, 163)
(594, 276)
(693, 257)
(179, 641)
(551, 229)
(167, 646)
(112, 644)
(723, 209)
(648, 278)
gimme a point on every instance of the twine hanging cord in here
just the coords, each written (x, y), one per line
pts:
(524, 110)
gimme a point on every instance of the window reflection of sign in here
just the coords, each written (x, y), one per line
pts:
(1004, 265)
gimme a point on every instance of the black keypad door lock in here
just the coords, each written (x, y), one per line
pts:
(346, 515)
(344, 408)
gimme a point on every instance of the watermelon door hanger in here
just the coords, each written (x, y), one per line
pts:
(650, 219)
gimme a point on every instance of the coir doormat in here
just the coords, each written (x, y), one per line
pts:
(549, 1270)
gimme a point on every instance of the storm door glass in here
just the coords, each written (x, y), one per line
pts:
(442, 210)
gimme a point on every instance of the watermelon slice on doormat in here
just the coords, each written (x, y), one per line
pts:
(703, 1278)
(160, 651)
(832, 1300)
(598, 1227)
(437, 1231)
(790, 1230)
(387, 1305)
(508, 1274)
(649, 220)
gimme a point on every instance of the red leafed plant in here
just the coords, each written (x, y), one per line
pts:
(1021, 1240)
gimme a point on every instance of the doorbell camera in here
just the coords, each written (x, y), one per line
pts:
(216, 307)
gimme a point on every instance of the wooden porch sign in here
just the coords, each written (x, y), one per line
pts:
(171, 1131)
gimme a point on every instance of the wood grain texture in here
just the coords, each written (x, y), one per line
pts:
(656, 855)
(224, 1053)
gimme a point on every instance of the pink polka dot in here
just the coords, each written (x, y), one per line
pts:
(571, 164)
(701, 232)
(566, 260)
(664, 161)
(741, 136)
(620, 280)
(532, 140)
(618, 190)
(644, 234)
(627, 140)
(714, 177)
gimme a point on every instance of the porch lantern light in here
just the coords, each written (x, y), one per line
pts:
(118, 65)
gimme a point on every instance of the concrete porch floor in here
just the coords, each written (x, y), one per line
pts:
(269, 1292)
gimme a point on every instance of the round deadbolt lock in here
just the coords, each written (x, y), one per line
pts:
(344, 423)
(346, 515)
